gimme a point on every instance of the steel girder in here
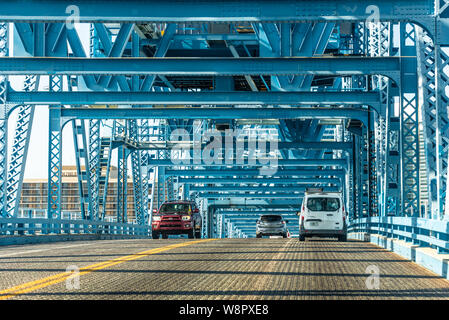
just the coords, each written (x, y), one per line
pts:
(220, 162)
(216, 113)
(338, 66)
(260, 181)
(193, 98)
(254, 172)
(433, 61)
(19, 151)
(224, 11)
(410, 204)
(54, 163)
(83, 156)
(4, 48)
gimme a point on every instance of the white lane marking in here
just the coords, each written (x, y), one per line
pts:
(53, 248)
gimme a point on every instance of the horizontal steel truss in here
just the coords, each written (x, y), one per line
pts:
(340, 66)
(224, 11)
(214, 113)
(194, 98)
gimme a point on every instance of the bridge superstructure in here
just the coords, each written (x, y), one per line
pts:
(189, 97)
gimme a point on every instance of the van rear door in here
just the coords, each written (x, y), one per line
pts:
(323, 213)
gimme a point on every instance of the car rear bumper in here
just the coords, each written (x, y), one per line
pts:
(311, 232)
(271, 231)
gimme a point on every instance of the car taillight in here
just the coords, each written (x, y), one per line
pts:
(283, 222)
(302, 219)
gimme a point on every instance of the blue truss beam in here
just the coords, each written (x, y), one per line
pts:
(253, 172)
(195, 98)
(275, 181)
(215, 113)
(341, 66)
(227, 11)
(289, 195)
(246, 162)
(281, 145)
(276, 189)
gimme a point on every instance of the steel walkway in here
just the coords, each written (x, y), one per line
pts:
(212, 269)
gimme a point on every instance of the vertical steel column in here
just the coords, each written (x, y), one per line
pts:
(361, 172)
(380, 45)
(83, 174)
(93, 166)
(16, 169)
(54, 164)
(122, 184)
(433, 61)
(140, 205)
(409, 122)
(3, 122)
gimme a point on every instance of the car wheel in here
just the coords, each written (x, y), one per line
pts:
(198, 234)
(164, 236)
(155, 235)
(284, 235)
(258, 236)
(342, 238)
(302, 238)
(190, 234)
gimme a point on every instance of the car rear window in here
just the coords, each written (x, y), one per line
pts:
(323, 204)
(271, 218)
(175, 208)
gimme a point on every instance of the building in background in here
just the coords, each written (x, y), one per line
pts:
(34, 194)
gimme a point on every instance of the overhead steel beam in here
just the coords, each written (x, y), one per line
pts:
(250, 162)
(246, 213)
(253, 172)
(342, 66)
(222, 11)
(318, 145)
(194, 98)
(294, 204)
(289, 195)
(276, 189)
(275, 181)
(214, 113)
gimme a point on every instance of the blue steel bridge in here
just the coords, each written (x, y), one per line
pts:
(348, 96)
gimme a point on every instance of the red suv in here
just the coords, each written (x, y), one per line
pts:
(177, 217)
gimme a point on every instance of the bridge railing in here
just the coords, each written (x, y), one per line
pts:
(419, 231)
(41, 226)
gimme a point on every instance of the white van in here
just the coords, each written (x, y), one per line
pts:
(322, 215)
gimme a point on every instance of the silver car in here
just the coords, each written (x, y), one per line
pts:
(271, 225)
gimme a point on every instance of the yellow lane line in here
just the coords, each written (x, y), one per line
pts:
(57, 278)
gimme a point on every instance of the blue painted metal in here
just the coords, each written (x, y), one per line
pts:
(82, 156)
(38, 226)
(55, 155)
(4, 48)
(192, 98)
(19, 151)
(425, 232)
(285, 63)
(326, 66)
(186, 11)
(410, 204)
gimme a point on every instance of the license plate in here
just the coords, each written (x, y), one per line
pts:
(313, 224)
